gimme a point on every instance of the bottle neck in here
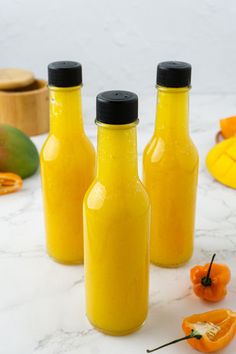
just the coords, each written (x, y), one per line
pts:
(172, 112)
(65, 111)
(117, 153)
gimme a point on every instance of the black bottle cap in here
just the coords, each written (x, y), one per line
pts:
(173, 74)
(117, 107)
(64, 74)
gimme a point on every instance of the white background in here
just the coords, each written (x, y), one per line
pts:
(119, 43)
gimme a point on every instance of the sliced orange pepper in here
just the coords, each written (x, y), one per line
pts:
(207, 332)
(9, 182)
(228, 127)
(210, 281)
(217, 328)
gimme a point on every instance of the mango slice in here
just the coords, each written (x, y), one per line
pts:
(221, 162)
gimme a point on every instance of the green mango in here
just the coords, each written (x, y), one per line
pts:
(18, 154)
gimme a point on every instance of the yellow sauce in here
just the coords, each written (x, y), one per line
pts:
(67, 169)
(170, 171)
(116, 231)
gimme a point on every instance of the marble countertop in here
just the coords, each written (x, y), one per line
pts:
(42, 303)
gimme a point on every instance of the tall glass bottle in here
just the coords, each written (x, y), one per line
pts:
(116, 222)
(170, 169)
(67, 164)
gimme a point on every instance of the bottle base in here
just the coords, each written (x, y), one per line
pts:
(116, 333)
(171, 265)
(65, 262)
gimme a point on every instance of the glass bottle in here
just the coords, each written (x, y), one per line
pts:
(67, 164)
(116, 222)
(170, 169)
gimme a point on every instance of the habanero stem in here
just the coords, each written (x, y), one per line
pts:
(206, 281)
(193, 334)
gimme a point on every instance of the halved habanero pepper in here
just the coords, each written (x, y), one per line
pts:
(207, 332)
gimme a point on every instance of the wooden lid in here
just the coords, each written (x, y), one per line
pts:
(11, 78)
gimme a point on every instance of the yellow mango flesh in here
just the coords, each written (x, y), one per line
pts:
(221, 162)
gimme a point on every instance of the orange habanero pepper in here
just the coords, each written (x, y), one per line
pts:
(210, 281)
(228, 127)
(208, 332)
(9, 182)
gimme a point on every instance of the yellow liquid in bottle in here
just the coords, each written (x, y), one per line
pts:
(67, 169)
(116, 231)
(170, 171)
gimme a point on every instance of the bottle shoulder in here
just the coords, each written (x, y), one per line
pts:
(112, 197)
(56, 148)
(159, 148)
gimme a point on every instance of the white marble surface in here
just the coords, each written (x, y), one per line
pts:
(42, 302)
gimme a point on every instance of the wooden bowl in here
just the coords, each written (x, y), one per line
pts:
(26, 108)
(219, 137)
